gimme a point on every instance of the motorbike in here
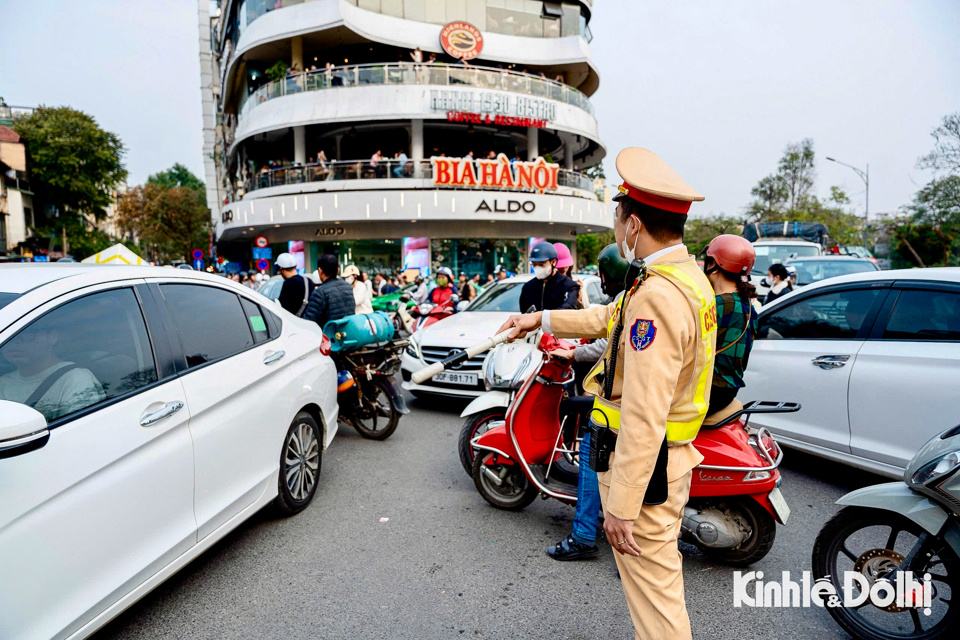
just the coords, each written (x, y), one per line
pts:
(367, 392)
(735, 501)
(428, 313)
(887, 530)
(403, 322)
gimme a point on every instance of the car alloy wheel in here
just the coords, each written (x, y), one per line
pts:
(301, 461)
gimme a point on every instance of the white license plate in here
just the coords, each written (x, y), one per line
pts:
(452, 377)
(779, 505)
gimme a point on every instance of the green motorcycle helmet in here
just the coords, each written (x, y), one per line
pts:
(612, 266)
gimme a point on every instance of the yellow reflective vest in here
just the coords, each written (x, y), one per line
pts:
(688, 411)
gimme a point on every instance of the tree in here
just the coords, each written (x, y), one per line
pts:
(698, 232)
(936, 210)
(787, 190)
(796, 170)
(74, 165)
(169, 221)
(177, 176)
(589, 246)
(945, 155)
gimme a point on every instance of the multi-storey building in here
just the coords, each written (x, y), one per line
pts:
(397, 133)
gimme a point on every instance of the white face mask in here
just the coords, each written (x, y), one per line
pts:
(630, 254)
(542, 272)
(350, 279)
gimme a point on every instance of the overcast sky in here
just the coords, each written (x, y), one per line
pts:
(716, 88)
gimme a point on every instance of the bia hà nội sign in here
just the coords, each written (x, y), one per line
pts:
(499, 173)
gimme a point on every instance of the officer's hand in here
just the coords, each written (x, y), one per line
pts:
(522, 324)
(618, 531)
(566, 354)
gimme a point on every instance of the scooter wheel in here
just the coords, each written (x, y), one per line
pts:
(873, 541)
(475, 425)
(763, 531)
(513, 493)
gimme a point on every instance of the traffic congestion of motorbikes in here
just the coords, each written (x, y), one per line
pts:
(522, 438)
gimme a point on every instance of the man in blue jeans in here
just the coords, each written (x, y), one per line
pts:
(582, 542)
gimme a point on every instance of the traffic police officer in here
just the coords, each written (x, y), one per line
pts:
(663, 336)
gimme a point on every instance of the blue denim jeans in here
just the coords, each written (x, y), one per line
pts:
(587, 516)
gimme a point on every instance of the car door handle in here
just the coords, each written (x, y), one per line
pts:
(168, 410)
(273, 356)
(830, 362)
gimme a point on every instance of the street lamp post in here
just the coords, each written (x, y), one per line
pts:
(865, 176)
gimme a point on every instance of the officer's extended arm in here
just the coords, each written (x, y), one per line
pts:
(579, 323)
(654, 333)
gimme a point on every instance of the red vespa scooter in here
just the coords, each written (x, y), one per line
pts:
(735, 501)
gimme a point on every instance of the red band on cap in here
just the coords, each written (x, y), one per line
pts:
(660, 202)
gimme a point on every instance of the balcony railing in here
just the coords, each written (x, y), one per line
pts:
(385, 170)
(417, 74)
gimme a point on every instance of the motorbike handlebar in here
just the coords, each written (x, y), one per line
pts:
(428, 372)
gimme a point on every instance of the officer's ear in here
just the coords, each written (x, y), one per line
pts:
(553, 263)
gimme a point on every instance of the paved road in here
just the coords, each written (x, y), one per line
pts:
(447, 565)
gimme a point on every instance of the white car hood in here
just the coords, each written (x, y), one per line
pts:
(462, 329)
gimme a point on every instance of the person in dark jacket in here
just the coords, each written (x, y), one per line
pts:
(333, 297)
(295, 292)
(550, 289)
(779, 279)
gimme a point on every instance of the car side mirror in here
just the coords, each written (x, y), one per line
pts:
(462, 306)
(24, 429)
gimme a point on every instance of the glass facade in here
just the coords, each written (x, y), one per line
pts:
(477, 255)
(509, 17)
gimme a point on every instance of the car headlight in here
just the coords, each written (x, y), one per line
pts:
(413, 349)
(942, 466)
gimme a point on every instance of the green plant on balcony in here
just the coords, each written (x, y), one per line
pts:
(277, 70)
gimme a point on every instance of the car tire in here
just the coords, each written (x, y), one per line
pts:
(300, 459)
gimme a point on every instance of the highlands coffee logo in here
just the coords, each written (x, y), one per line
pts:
(461, 40)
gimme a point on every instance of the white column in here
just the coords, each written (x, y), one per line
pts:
(296, 52)
(416, 146)
(568, 153)
(533, 143)
(300, 145)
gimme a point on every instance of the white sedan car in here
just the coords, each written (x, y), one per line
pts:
(874, 358)
(480, 320)
(144, 413)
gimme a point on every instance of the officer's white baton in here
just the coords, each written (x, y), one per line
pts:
(462, 356)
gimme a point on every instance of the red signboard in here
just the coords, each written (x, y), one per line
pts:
(461, 40)
(538, 175)
(487, 118)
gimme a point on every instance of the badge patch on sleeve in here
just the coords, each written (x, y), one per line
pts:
(642, 334)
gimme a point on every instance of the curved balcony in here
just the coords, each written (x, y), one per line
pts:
(403, 74)
(387, 174)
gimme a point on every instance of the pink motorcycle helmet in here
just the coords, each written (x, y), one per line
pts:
(564, 259)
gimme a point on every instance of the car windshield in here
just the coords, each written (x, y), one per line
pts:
(7, 298)
(502, 297)
(768, 254)
(271, 288)
(810, 271)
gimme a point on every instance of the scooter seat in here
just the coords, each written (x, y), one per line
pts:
(714, 419)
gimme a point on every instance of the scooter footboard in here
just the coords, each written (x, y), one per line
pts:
(899, 498)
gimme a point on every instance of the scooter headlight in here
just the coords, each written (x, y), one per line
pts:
(936, 469)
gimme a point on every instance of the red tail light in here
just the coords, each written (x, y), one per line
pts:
(325, 345)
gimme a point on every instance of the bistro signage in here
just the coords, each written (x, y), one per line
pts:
(493, 103)
(538, 175)
(461, 40)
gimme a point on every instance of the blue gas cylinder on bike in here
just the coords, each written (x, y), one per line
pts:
(360, 330)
